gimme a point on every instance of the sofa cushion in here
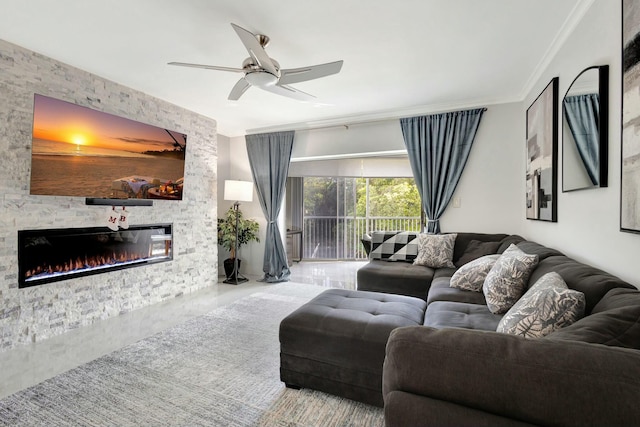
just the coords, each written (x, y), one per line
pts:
(471, 276)
(464, 238)
(534, 248)
(446, 314)
(548, 306)
(394, 245)
(614, 321)
(336, 342)
(507, 280)
(441, 291)
(435, 250)
(477, 249)
(513, 239)
(592, 282)
(395, 278)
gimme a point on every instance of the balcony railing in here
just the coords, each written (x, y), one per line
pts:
(339, 237)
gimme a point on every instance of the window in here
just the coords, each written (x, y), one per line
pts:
(338, 211)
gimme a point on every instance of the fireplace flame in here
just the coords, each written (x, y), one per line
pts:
(85, 263)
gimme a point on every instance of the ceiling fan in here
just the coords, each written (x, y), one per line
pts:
(265, 73)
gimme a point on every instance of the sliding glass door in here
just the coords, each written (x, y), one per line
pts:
(337, 212)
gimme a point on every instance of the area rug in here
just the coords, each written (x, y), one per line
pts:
(220, 369)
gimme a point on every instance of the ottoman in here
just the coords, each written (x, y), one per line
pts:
(336, 342)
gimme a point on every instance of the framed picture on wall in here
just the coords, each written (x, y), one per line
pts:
(630, 152)
(542, 155)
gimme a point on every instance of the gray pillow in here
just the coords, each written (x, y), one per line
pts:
(548, 306)
(435, 250)
(471, 276)
(507, 280)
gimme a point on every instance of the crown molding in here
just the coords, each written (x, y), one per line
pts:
(569, 25)
(380, 116)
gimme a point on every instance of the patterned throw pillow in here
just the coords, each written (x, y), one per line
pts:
(470, 277)
(507, 280)
(549, 305)
(394, 245)
(435, 250)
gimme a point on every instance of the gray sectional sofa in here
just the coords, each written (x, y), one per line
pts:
(434, 358)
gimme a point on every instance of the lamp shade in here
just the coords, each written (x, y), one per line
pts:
(238, 191)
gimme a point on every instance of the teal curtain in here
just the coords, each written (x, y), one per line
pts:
(269, 156)
(583, 117)
(438, 146)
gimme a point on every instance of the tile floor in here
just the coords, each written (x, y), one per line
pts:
(27, 365)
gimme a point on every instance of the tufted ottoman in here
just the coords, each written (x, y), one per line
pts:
(336, 342)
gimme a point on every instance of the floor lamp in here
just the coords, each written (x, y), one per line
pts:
(238, 191)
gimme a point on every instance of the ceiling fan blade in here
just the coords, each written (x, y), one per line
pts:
(208, 67)
(257, 52)
(302, 74)
(288, 91)
(238, 89)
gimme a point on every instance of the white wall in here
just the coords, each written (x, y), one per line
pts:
(233, 163)
(377, 167)
(489, 189)
(589, 220)
(375, 137)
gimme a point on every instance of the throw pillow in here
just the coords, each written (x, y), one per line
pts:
(394, 245)
(436, 250)
(614, 321)
(549, 305)
(471, 276)
(476, 249)
(507, 279)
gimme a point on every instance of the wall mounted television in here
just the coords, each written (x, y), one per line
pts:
(79, 151)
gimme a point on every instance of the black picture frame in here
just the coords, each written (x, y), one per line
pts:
(541, 192)
(586, 166)
(630, 115)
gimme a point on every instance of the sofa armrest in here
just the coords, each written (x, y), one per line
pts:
(544, 382)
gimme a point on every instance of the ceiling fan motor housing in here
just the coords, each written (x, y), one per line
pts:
(261, 78)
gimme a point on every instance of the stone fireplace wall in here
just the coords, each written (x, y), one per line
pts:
(31, 314)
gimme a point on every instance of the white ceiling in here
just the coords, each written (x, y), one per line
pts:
(400, 58)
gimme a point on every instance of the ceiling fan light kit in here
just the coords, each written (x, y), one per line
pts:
(264, 72)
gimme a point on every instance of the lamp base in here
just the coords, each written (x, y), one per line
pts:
(236, 282)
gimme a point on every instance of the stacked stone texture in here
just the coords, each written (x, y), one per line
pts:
(36, 313)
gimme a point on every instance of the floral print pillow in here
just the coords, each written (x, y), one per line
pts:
(471, 276)
(435, 250)
(507, 280)
(548, 306)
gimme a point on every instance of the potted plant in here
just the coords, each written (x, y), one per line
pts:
(247, 232)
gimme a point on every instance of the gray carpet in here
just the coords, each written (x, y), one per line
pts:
(221, 369)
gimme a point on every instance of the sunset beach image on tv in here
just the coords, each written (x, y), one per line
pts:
(78, 151)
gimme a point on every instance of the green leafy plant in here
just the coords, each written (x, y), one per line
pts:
(247, 231)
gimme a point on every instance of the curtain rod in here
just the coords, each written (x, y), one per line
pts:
(347, 125)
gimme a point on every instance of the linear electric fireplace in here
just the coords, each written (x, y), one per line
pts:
(51, 255)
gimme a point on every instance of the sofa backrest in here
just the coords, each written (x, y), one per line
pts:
(614, 321)
(403, 245)
(463, 239)
(592, 282)
(534, 248)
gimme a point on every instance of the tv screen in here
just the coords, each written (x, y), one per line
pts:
(78, 151)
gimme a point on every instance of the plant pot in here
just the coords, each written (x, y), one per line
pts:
(228, 271)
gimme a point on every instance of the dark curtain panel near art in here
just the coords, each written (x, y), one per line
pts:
(269, 156)
(583, 116)
(438, 146)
